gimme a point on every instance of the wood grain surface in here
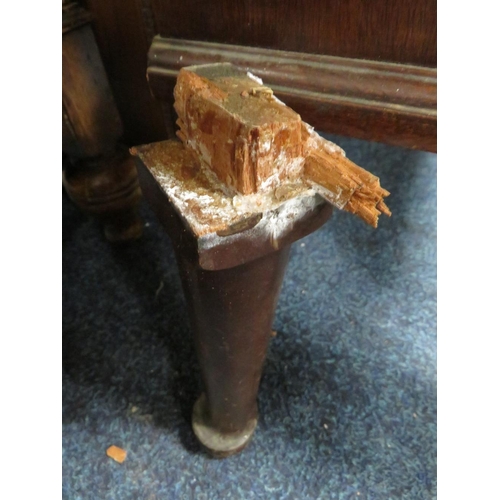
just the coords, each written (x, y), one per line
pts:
(397, 31)
(402, 31)
(122, 36)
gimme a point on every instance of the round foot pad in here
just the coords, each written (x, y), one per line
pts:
(218, 444)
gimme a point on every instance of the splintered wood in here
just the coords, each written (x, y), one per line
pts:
(117, 454)
(342, 182)
(255, 144)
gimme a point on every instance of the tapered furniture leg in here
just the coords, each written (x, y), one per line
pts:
(232, 264)
(232, 312)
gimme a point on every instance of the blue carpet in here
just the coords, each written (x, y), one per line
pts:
(348, 396)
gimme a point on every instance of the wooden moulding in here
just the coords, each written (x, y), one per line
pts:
(385, 102)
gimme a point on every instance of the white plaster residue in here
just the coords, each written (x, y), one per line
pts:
(254, 152)
(270, 183)
(282, 197)
(278, 101)
(199, 146)
(250, 203)
(265, 198)
(280, 162)
(335, 198)
(294, 167)
(208, 207)
(280, 221)
(254, 78)
(265, 146)
(284, 170)
(214, 180)
(309, 128)
(275, 223)
(331, 147)
(315, 141)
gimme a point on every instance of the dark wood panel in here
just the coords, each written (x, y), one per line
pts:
(380, 30)
(402, 31)
(87, 99)
(73, 16)
(371, 100)
(123, 32)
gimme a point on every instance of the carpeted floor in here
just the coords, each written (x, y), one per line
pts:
(348, 396)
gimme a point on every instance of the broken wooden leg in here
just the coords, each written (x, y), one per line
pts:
(248, 179)
(232, 253)
(107, 187)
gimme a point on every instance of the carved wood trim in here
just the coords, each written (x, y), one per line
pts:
(386, 102)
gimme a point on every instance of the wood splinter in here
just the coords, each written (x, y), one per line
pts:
(117, 454)
(254, 143)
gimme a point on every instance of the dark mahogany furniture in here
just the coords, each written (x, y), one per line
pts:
(359, 68)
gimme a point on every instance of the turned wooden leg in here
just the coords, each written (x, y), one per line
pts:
(232, 311)
(107, 187)
(101, 177)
